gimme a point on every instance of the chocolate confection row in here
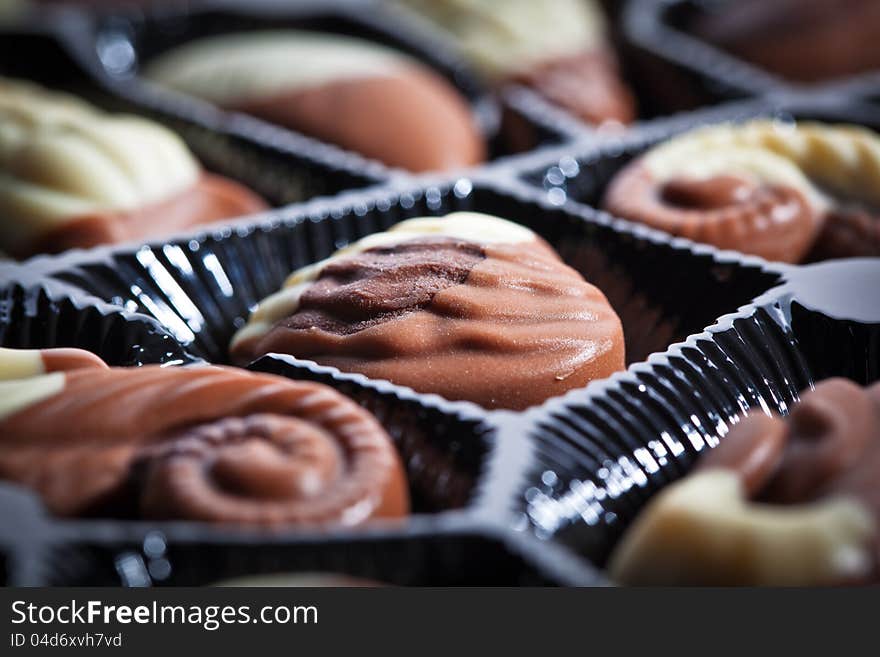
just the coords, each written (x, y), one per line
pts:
(488, 304)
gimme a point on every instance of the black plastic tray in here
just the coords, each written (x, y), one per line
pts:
(682, 71)
(709, 334)
(278, 164)
(538, 497)
(111, 46)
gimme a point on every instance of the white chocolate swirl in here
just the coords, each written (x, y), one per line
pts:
(503, 38)
(819, 160)
(61, 158)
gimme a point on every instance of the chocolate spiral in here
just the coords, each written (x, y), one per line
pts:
(780, 192)
(203, 443)
(776, 223)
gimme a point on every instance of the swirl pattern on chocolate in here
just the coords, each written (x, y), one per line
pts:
(773, 190)
(469, 307)
(72, 176)
(781, 501)
(200, 443)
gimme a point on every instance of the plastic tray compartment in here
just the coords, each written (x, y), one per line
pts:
(684, 71)
(283, 167)
(460, 458)
(579, 174)
(140, 36)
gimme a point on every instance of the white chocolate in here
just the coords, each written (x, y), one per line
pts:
(820, 161)
(233, 68)
(20, 363)
(703, 526)
(502, 38)
(17, 395)
(467, 226)
(61, 158)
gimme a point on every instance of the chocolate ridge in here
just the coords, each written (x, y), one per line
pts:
(519, 328)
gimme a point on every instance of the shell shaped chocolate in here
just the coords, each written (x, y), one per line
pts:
(200, 443)
(762, 187)
(781, 501)
(357, 94)
(470, 307)
(71, 176)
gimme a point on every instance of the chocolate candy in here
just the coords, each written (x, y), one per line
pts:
(195, 443)
(557, 47)
(781, 501)
(71, 176)
(771, 189)
(468, 306)
(803, 40)
(359, 95)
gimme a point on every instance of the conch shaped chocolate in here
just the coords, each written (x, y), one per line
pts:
(470, 307)
(790, 501)
(72, 176)
(197, 443)
(780, 191)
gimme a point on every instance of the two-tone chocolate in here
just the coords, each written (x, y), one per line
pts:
(557, 47)
(196, 443)
(468, 306)
(72, 176)
(781, 501)
(802, 40)
(781, 191)
(356, 94)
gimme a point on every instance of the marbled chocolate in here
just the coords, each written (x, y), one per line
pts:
(469, 306)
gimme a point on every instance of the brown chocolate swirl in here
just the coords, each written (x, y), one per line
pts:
(729, 212)
(505, 325)
(203, 443)
(805, 508)
(780, 191)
